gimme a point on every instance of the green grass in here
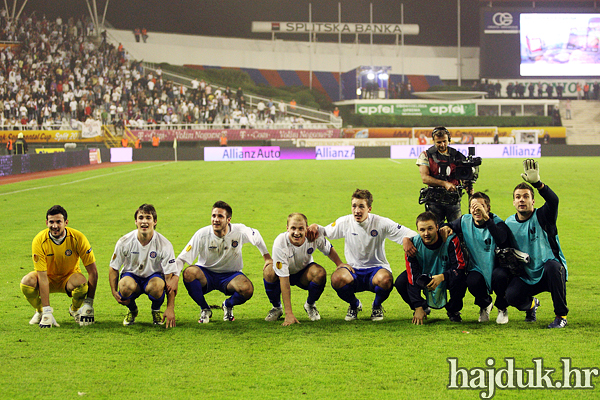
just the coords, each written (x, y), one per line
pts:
(251, 358)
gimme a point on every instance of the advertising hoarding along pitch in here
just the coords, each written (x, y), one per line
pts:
(483, 150)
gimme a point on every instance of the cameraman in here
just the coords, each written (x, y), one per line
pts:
(437, 166)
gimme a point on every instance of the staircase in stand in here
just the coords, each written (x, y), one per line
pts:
(584, 125)
(112, 139)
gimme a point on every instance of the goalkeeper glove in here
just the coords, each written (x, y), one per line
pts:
(47, 318)
(86, 313)
(532, 173)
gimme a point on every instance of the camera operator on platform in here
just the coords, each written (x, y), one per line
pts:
(438, 168)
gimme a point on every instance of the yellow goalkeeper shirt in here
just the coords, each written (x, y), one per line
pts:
(62, 259)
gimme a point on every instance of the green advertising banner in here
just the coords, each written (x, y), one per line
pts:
(438, 109)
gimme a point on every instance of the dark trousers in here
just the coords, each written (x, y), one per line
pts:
(441, 211)
(520, 295)
(501, 277)
(478, 288)
(457, 292)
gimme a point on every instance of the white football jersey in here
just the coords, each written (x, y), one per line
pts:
(143, 261)
(289, 259)
(220, 254)
(365, 241)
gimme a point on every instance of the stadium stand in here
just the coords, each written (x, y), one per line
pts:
(55, 75)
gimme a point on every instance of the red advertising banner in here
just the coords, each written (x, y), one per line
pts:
(145, 135)
(95, 156)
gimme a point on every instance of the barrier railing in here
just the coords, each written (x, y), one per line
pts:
(258, 125)
(252, 100)
(114, 140)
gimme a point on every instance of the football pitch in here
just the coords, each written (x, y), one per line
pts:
(250, 358)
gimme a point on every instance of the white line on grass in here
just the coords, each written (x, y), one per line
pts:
(394, 161)
(81, 180)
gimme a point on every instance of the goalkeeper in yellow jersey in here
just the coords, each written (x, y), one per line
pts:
(56, 253)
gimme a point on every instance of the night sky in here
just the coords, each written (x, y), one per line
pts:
(437, 19)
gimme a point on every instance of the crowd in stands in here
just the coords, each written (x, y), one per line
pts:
(400, 90)
(516, 90)
(583, 90)
(51, 76)
(54, 76)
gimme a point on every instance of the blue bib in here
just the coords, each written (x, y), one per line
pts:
(481, 246)
(529, 237)
(433, 262)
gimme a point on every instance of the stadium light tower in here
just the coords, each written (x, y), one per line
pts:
(14, 15)
(94, 14)
(458, 55)
(14, 9)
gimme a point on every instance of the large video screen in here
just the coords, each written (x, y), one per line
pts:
(559, 45)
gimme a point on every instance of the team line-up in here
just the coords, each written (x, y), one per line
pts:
(144, 262)
(515, 259)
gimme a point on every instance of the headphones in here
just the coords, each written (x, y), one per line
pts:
(440, 131)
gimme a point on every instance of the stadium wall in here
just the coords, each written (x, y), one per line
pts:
(21, 164)
(298, 56)
(26, 163)
(196, 153)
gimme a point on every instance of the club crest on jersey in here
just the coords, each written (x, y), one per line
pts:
(36, 258)
(374, 233)
(234, 243)
(68, 252)
(114, 256)
(152, 254)
(278, 264)
(188, 248)
(333, 224)
(89, 251)
(310, 250)
(399, 226)
(488, 244)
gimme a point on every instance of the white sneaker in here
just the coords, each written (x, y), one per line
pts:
(274, 314)
(35, 320)
(352, 313)
(227, 312)
(74, 314)
(313, 313)
(502, 317)
(377, 313)
(484, 313)
(205, 315)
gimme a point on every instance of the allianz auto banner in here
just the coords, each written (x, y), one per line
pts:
(270, 153)
(482, 150)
